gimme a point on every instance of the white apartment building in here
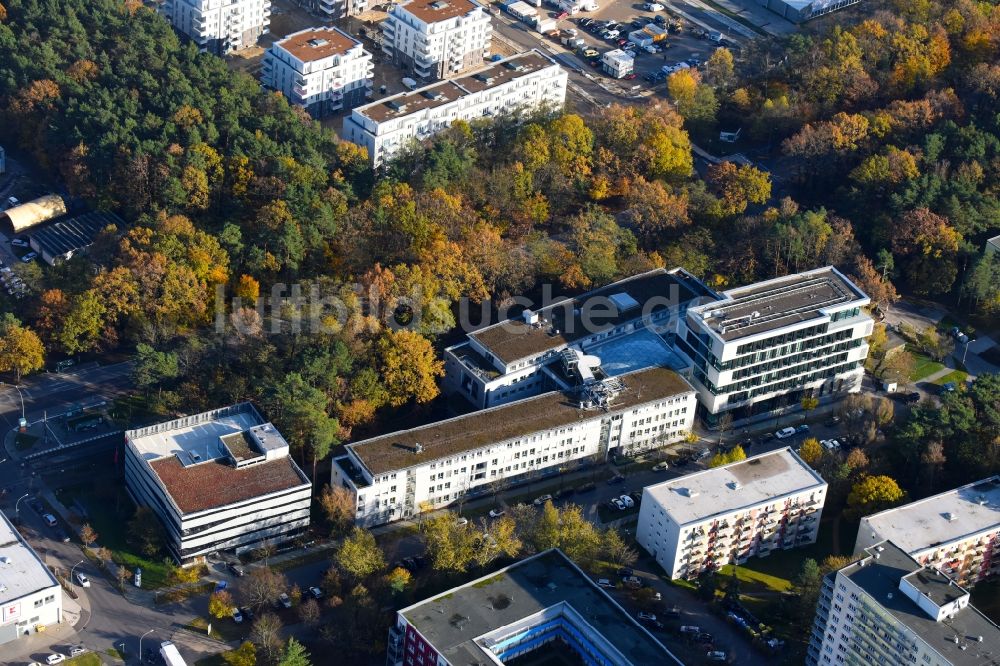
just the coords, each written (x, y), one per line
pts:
(323, 69)
(702, 521)
(398, 475)
(888, 609)
(525, 81)
(625, 326)
(437, 39)
(219, 26)
(220, 480)
(30, 596)
(770, 344)
(957, 532)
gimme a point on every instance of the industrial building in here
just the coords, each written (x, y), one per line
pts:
(219, 26)
(543, 602)
(769, 344)
(219, 481)
(23, 217)
(886, 608)
(30, 596)
(399, 475)
(322, 69)
(522, 82)
(60, 241)
(702, 521)
(437, 39)
(957, 531)
(798, 11)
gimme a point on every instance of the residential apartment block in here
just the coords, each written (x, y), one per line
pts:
(957, 532)
(30, 596)
(888, 609)
(526, 81)
(437, 39)
(323, 69)
(398, 475)
(219, 26)
(220, 480)
(702, 521)
(624, 326)
(544, 601)
(770, 344)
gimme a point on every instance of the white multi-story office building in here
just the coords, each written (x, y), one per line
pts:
(220, 480)
(437, 39)
(525, 81)
(398, 475)
(323, 69)
(533, 604)
(219, 26)
(957, 532)
(888, 609)
(771, 343)
(702, 521)
(625, 325)
(30, 596)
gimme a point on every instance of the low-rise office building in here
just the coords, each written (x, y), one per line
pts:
(399, 475)
(437, 39)
(30, 596)
(702, 521)
(219, 481)
(542, 602)
(525, 81)
(617, 63)
(769, 344)
(626, 325)
(323, 69)
(219, 26)
(887, 609)
(957, 532)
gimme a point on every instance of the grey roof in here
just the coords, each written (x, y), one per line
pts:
(770, 305)
(21, 570)
(879, 578)
(74, 233)
(942, 519)
(453, 620)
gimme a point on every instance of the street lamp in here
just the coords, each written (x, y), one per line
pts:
(21, 395)
(968, 342)
(17, 506)
(140, 642)
(74, 568)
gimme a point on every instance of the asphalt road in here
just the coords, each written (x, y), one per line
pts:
(52, 393)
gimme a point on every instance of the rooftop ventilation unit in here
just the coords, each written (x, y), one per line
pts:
(433, 94)
(513, 66)
(4, 560)
(395, 105)
(418, 448)
(530, 317)
(439, 4)
(950, 517)
(484, 78)
(317, 42)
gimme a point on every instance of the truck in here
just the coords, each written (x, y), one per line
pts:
(171, 657)
(546, 25)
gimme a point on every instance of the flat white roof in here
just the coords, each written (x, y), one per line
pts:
(941, 519)
(198, 435)
(21, 571)
(733, 487)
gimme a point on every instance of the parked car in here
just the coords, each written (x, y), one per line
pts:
(55, 658)
(802, 429)
(830, 444)
(629, 77)
(627, 501)
(633, 582)
(626, 571)
(604, 582)
(673, 611)
(247, 613)
(284, 601)
(237, 616)
(660, 467)
(618, 504)
(704, 637)
(643, 615)
(660, 19)
(716, 655)
(652, 7)
(539, 501)
(612, 34)
(562, 15)
(49, 519)
(785, 433)
(315, 592)
(76, 650)
(12, 201)
(236, 570)
(496, 513)
(19, 242)
(948, 388)
(28, 258)
(690, 629)
(462, 521)
(81, 579)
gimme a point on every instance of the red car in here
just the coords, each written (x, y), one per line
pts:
(562, 16)
(629, 77)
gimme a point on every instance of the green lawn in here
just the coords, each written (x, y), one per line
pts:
(109, 516)
(751, 576)
(957, 376)
(222, 630)
(923, 365)
(89, 659)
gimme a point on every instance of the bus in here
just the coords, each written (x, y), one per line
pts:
(171, 657)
